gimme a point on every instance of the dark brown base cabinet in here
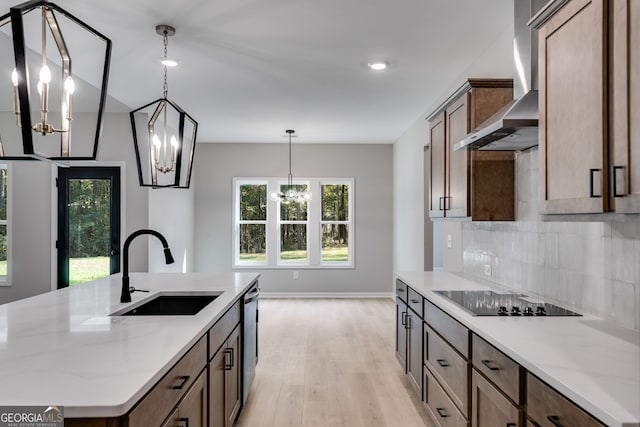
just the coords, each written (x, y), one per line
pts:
(192, 411)
(466, 381)
(224, 382)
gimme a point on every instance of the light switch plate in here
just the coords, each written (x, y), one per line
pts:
(449, 241)
(487, 269)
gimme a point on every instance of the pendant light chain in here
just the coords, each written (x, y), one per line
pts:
(165, 87)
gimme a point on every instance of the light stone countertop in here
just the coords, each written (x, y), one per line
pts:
(63, 348)
(593, 362)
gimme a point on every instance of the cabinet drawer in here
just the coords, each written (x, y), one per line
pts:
(441, 409)
(451, 369)
(401, 290)
(547, 407)
(450, 329)
(499, 368)
(155, 407)
(490, 407)
(415, 302)
(219, 332)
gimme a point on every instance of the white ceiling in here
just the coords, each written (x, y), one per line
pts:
(249, 69)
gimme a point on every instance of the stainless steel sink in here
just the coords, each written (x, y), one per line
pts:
(170, 305)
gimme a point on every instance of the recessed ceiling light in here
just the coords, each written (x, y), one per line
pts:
(170, 62)
(378, 65)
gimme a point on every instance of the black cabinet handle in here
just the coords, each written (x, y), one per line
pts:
(184, 379)
(440, 206)
(442, 363)
(489, 365)
(185, 421)
(402, 290)
(228, 365)
(511, 425)
(591, 185)
(442, 412)
(404, 318)
(555, 420)
(414, 301)
(614, 178)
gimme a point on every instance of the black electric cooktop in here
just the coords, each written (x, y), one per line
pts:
(490, 303)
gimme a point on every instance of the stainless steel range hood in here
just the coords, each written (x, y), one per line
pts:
(515, 126)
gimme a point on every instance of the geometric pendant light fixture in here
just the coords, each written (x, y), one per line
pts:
(164, 135)
(58, 82)
(290, 193)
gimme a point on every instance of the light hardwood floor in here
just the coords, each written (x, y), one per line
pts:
(329, 362)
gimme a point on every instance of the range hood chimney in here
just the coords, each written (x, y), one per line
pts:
(515, 126)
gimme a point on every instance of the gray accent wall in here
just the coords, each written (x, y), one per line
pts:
(371, 166)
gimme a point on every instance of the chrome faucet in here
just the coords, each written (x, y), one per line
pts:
(126, 291)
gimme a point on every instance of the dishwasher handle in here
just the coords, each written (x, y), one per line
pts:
(252, 295)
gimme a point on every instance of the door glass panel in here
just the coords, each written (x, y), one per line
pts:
(89, 229)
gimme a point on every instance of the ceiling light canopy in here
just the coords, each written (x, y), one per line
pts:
(378, 65)
(164, 136)
(291, 192)
(46, 90)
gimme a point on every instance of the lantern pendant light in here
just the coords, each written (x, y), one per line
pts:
(164, 135)
(56, 85)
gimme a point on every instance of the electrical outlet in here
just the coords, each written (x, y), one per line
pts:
(295, 275)
(487, 269)
(449, 241)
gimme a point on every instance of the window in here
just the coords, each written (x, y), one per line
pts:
(251, 230)
(313, 234)
(3, 222)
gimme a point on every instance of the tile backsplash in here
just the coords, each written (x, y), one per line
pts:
(593, 267)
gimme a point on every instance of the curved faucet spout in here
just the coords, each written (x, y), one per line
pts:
(125, 296)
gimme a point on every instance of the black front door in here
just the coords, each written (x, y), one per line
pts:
(88, 224)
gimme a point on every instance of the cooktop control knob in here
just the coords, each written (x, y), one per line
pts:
(515, 311)
(528, 311)
(502, 311)
(540, 311)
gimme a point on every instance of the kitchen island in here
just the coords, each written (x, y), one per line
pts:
(592, 362)
(65, 348)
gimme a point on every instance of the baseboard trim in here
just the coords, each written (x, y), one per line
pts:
(326, 295)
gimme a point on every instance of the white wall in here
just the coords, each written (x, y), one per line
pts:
(171, 212)
(370, 165)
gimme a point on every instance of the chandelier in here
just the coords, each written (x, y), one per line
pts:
(164, 135)
(50, 111)
(290, 194)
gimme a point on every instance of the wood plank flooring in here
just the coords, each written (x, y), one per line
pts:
(329, 362)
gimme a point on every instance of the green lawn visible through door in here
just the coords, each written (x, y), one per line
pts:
(86, 269)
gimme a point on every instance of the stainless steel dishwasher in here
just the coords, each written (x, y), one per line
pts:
(250, 339)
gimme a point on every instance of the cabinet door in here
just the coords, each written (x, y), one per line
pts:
(573, 109)
(192, 411)
(217, 415)
(401, 333)
(490, 408)
(414, 351)
(437, 149)
(457, 182)
(625, 107)
(233, 377)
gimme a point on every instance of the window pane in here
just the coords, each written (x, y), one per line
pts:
(3, 250)
(3, 194)
(335, 202)
(292, 211)
(335, 243)
(253, 202)
(293, 242)
(253, 240)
